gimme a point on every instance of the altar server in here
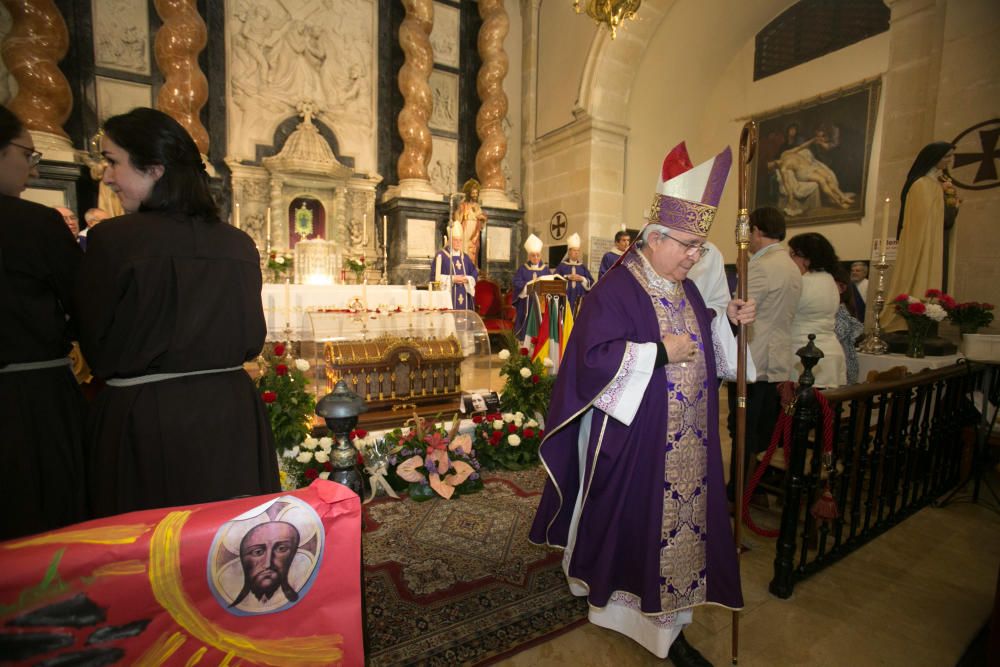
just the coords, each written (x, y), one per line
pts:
(578, 278)
(170, 308)
(454, 266)
(528, 272)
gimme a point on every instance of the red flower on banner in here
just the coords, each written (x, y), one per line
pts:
(311, 474)
(279, 349)
(917, 308)
(281, 369)
(269, 396)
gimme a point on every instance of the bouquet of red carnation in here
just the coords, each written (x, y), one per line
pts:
(970, 316)
(282, 385)
(428, 461)
(507, 440)
(932, 308)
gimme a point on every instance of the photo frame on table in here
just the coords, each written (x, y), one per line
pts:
(812, 157)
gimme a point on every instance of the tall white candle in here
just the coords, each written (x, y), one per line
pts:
(236, 215)
(885, 226)
(385, 231)
(268, 227)
(288, 304)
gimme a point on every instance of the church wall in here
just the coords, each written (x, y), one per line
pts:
(563, 38)
(968, 94)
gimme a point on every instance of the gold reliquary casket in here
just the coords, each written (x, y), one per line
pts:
(400, 361)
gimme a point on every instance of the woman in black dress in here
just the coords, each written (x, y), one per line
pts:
(170, 309)
(41, 408)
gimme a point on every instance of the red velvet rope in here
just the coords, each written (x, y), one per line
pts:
(783, 432)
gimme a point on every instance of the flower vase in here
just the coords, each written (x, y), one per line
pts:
(917, 332)
(968, 328)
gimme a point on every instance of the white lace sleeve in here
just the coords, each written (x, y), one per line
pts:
(622, 396)
(724, 343)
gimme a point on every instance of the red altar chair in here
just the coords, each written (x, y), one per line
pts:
(494, 307)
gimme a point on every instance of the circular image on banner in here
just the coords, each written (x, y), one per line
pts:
(266, 559)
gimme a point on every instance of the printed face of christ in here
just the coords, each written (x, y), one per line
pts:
(266, 553)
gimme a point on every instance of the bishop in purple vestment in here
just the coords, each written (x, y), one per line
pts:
(578, 278)
(636, 493)
(531, 270)
(456, 267)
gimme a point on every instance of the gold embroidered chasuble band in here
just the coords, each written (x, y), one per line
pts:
(684, 525)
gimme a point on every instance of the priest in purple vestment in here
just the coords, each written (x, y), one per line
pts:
(456, 268)
(528, 272)
(622, 242)
(578, 278)
(636, 495)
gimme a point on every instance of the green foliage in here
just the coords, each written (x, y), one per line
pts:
(528, 384)
(280, 265)
(283, 387)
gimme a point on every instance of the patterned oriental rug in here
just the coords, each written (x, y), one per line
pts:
(457, 582)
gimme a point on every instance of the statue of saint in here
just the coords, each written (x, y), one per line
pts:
(470, 214)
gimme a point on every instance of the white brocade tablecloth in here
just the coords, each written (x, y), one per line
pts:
(883, 362)
(292, 303)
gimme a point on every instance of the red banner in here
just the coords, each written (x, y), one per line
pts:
(269, 580)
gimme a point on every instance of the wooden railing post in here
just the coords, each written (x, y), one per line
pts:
(806, 413)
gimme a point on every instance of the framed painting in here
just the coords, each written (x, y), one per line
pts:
(812, 158)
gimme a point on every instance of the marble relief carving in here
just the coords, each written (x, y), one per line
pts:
(489, 86)
(444, 92)
(179, 40)
(37, 41)
(444, 165)
(414, 39)
(121, 35)
(283, 52)
(115, 96)
(8, 85)
(445, 34)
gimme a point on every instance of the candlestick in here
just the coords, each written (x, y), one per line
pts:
(236, 215)
(385, 231)
(268, 229)
(873, 343)
(885, 227)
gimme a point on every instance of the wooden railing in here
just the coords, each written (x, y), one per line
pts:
(897, 446)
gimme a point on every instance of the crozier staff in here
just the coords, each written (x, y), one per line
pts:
(170, 310)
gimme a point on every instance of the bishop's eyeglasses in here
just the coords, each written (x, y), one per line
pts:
(34, 157)
(690, 248)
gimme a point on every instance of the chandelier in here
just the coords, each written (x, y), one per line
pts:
(609, 12)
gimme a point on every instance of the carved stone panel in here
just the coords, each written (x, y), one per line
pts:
(444, 35)
(444, 92)
(115, 96)
(121, 35)
(443, 169)
(284, 53)
(8, 85)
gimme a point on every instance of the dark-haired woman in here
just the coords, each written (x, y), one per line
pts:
(922, 251)
(817, 309)
(170, 309)
(41, 408)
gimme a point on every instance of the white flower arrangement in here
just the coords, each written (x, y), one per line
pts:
(508, 416)
(326, 444)
(498, 424)
(310, 443)
(525, 372)
(547, 362)
(302, 365)
(304, 457)
(936, 312)
(279, 259)
(504, 355)
(513, 440)
(322, 457)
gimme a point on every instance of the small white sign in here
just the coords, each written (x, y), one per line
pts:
(890, 249)
(498, 244)
(421, 238)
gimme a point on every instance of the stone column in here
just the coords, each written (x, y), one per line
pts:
(493, 107)
(178, 42)
(414, 38)
(37, 41)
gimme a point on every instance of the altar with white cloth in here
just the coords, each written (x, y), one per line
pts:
(290, 303)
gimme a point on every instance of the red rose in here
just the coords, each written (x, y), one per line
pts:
(529, 433)
(511, 428)
(535, 379)
(269, 396)
(524, 351)
(917, 308)
(281, 369)
(361, 433)
(902, 297)
(495, 438)
(933, 293)
(279, 349)
(328, 466)
(311, 474)
(494, 416)
(477, 419)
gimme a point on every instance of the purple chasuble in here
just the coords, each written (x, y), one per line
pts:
(575, 290)
(654, 522)
(607, 262)
(524, 275)
(458, 265)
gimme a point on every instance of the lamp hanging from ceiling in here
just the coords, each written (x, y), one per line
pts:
(609, 12)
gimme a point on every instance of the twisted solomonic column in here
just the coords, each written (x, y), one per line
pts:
(489, 85)
(37, 41)
(414, 38)
(185, 89)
